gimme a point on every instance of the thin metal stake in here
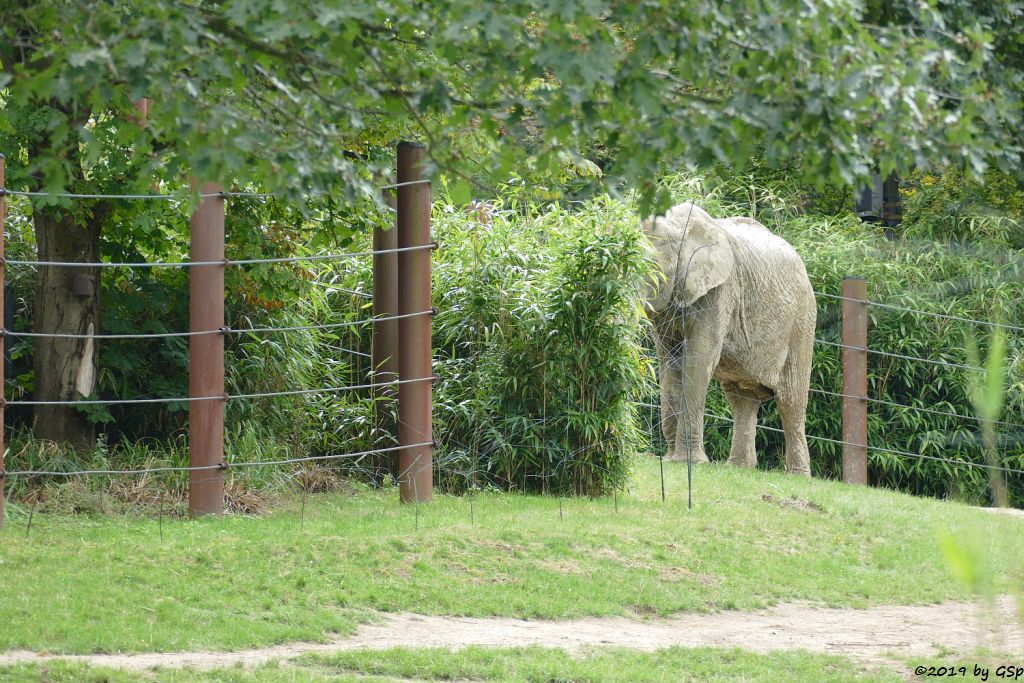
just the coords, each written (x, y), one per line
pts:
(161, 518)
(302, 514)
(687, 435)
(31, 514)
(615, 493)
(661, 464)
(689, 479)
(560, 515)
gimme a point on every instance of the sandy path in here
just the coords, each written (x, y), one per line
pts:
(874, 636)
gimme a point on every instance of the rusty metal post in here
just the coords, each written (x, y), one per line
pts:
(206, 355)
(415, 464)
(855, 380)
(384, 343)
(3, 388)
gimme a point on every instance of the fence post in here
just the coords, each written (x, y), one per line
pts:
(384, 343)
(855, 380)
(206, 355)
(415, 464)
(3, 387)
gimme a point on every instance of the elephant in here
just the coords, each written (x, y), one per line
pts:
(735, 303)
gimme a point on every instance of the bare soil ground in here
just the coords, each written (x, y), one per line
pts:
(1015, 512)
(877, 636)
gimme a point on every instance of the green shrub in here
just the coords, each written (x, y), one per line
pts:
(946, 206)
(539, 348)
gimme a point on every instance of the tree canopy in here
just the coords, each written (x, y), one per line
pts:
(293, 96)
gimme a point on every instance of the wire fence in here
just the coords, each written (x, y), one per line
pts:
(224, 331)
(880, 449)
(221, 330)
(379, 388)
(225, 262)
(434, 378)
(204, 468)
(169, 197)
(894, 404)
(931, 314)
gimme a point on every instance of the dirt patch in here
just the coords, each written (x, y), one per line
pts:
(677, 574)
(794, 502)
(501, 546)
(560, 566)
(1015, 512)
(878, 636)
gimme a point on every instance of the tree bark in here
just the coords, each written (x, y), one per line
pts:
(66, 369)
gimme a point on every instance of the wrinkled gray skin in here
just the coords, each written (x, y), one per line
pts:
(735, 304)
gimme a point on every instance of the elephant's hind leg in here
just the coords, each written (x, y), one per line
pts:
(671, 390)
(744, 406)
(793, 411)
(671, 400)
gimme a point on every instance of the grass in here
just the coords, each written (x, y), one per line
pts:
(535, 665)
(81, 584)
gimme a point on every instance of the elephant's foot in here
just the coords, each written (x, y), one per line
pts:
(698, 456)
(743, 459)
(798, 464)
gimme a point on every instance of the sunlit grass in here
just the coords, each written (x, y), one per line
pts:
(106, 584)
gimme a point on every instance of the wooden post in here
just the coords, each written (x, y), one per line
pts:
(384, 344)
(855, 380)
(3, 388)
(206, 355)
(415, 464)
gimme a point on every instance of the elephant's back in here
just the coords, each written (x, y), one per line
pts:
(759, 238)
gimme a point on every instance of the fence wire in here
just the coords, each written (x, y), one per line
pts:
(904, 406)
(223, 397)
(880, 449)
(169, 197)
(218, 331)
(224, 262)
(900, 356)
(227, 465)
(904, 309)
(158, 197)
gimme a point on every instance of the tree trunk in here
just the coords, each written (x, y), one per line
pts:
(66, 369)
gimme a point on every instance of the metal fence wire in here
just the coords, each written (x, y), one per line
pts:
(224, 331)
(896, 405)
(408, 429)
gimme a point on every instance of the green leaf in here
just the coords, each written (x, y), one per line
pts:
(461, 192)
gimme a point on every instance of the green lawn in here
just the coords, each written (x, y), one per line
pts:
(87, 584)
(534, 665)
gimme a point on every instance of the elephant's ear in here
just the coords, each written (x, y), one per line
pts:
(704, 259)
